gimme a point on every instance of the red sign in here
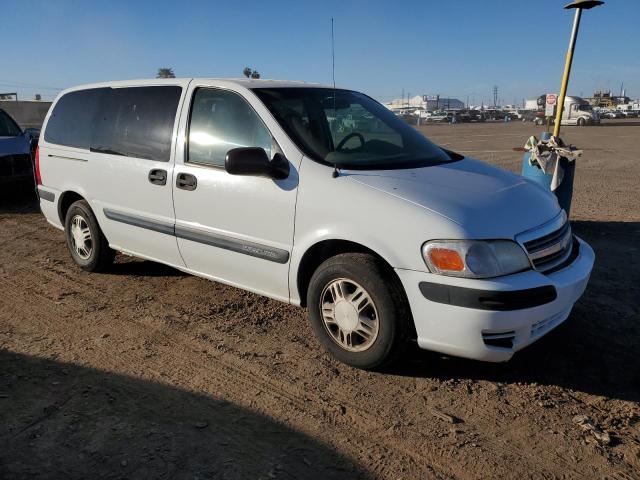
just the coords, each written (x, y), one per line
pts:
(550, 107)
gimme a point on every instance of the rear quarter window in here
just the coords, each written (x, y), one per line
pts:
(132, 121)
(73, 117)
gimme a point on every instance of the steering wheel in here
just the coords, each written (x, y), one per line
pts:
(349, 137)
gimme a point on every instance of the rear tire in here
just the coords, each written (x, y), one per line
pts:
(87, 244)
(358, 310)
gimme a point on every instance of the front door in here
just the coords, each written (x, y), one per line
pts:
(235, 229)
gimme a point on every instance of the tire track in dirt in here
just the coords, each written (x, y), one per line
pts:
(306, 402)
(222, 370)
(300, 399)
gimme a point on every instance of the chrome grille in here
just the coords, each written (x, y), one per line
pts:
(550, 245)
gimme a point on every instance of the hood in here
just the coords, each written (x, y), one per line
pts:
(13, 145)
(487, 202)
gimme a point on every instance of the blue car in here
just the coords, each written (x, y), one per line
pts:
(16, 152)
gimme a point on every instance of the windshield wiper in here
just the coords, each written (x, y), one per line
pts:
(106, 150)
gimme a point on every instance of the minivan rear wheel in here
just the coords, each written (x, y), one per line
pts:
(358, 310)
(87, 244)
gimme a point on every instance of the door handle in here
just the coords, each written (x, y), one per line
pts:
(158, 176)
(186, 181)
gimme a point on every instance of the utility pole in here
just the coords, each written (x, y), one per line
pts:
(495, 96)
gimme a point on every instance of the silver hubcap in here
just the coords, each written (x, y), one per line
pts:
(81, 237)
(349, 315)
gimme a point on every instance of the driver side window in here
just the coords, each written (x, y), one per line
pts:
(220, 121)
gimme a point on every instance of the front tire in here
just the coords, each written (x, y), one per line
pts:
(581, 122)
(87, 244)
(358, 310)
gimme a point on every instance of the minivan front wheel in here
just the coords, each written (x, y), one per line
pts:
(358, 310)
(349, 315)
(87, 244)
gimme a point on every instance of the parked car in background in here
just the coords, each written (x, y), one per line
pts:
(611, 114)
(386, 238)
(439, 117)
(535, 116)
(496, 115)
(469, 116)
(16, 148)
(476, 116)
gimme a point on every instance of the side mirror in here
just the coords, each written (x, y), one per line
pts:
(254, 161)
(32, 135)
(32, 132)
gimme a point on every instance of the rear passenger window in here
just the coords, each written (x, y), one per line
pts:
(221, 120)
(132, 121)
(73, 117)
(138, 122)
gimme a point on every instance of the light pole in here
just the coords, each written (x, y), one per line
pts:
(578, 5)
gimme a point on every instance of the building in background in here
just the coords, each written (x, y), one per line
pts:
(430, 103)
(28, 113)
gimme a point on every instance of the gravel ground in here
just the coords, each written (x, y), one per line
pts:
(145, 372)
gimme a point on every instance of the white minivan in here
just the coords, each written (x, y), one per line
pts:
(316, 196)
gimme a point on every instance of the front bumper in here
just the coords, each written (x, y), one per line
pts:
(493, 333)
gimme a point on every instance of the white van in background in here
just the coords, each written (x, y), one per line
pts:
(385, 237)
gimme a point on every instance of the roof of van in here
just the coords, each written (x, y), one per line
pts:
(243, 82)
(265, 83)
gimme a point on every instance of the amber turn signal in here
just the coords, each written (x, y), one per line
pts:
(446, 259)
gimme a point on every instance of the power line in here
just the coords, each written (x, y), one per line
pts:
(9, 83)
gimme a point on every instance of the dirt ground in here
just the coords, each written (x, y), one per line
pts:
(145, 372)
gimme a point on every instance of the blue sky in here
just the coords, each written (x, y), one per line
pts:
(457, 47)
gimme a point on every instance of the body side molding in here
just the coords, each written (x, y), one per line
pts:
(253, 249)
(45, 195)
(245, 247)
(136, 221)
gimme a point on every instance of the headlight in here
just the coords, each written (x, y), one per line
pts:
(474, 258)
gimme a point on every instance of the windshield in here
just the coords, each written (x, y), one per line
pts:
(349, 129)
(585, 108)
(8, 128)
